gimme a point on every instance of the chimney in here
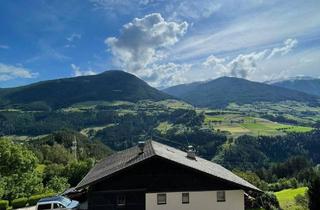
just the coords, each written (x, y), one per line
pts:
(141, 145)
(191, 153)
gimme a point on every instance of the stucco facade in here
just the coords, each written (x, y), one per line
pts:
(200, 200)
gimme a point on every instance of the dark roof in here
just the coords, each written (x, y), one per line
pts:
(131, 156)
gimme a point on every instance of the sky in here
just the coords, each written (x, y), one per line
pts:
(164, 42)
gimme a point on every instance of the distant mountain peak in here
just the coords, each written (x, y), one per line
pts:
(67, 91)
(290, 79)
(222, 91)
(309, 85)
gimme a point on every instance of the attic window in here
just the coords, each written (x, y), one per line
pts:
(221, 196)
(161, 199)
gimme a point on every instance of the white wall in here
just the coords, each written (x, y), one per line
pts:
(203, 200)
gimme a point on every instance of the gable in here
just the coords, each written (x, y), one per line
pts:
(123, 160)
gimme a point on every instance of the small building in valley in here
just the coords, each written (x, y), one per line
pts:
(153, 176)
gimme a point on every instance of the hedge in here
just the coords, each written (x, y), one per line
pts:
(19, 203)
(4, 204)
(33, 200)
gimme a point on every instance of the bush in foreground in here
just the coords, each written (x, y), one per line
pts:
(33, 200)
(19, 203)
(4, 204)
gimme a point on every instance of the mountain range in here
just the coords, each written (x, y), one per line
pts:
(115, 85)
(111, 85)
(304, 84)
(220, 92)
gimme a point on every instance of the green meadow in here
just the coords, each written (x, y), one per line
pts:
(286, 198)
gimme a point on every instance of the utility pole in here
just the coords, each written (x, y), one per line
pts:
(74, 147)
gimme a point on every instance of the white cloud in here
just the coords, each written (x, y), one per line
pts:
(142, 42)
(245, 65)
(250, 30)
(192, 9)
(9, 72)
(165, 75)
(289, 44)
(77, 72)
(3, 46)
(73, 37)
(173, 9)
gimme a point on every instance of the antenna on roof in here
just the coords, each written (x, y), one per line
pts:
(141, 145)
(191, 153)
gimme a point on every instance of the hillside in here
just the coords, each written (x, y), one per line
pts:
(306, 85)
(225, 90)
(108, 86)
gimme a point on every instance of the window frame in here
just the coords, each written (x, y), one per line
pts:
(221, 196)
(45, 204)
(159, 201)
(121, 200)
(60, 206)
(187, 196)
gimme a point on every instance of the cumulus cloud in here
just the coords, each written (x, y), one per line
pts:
(77, 72)
(244, 65)
(140, 41)
(289, 44)
(241, 66)
(9, 72)
(141, 46)
(165, 75)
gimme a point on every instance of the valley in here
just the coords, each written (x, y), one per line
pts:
(261, 141)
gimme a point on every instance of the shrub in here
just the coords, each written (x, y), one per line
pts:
(33, 200)
(4, 204)
(19, 203)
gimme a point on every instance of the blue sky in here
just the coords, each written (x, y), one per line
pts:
(163, 42)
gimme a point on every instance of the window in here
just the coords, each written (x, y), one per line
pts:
(162, 199)
(185, 198)
(221, 196)
(44, 206)
(121, 200)
(57, 206)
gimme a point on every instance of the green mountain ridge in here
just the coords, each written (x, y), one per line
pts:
(309, 86)
(220, 92)
(111, 85)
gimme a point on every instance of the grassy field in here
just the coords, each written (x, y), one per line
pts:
(286, 198)
(238, 124)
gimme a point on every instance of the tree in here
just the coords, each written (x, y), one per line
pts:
(58, 184)
(314, 192)
(2, 187)
(75, 171)
(23, 185)
(15, 158)
(56, 154)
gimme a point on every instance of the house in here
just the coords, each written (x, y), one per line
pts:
(153, 176)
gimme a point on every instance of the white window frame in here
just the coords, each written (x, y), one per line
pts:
(185, 195)
(162, 202)
(221, 196)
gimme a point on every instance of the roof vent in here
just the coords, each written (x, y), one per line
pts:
(191, 153)
(141, 145)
